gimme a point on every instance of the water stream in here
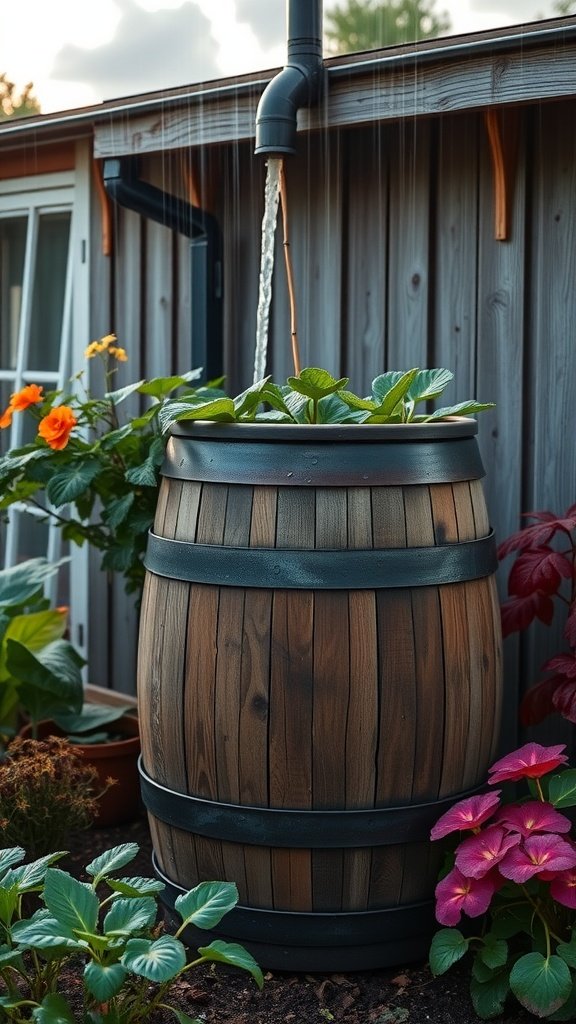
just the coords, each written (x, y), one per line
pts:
(271, 197)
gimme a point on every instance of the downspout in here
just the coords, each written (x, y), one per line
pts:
(124, 185)
(298, 85)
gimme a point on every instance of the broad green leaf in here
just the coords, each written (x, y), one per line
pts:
(219, 409)
(332, 409)
(567, 950)
(50, 682)
(121, 394)
(104, 982)
(205, 905)
(249, 400)
(541, 984)
(46, 933)
(53, 1010)
(568, 1009)
(127, 916)
(10, 856)
(136, 886)
(20, 582)
(488, 997)
(9, 900)
(73, 903)
(9, 956)
(447, 947)
(114, 437)
(162, 386)
(562, 789)
(388, 397)
(111, 860)
(366, 404)
(144, 475)
(234, 955)
(429, 384)
(36, 629)
(92, 716)
(30, 876)
(72, 480)
(494, 952)
(116, 511)
(468, 408)
(158, 961)
(316, 383)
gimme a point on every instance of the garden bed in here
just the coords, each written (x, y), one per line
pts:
(220, 995)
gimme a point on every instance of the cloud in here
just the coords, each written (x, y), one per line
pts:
(266, 19)
(150, 50)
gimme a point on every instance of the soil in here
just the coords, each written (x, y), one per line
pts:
(220, 995)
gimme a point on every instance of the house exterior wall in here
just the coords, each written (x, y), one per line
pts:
(396, 264)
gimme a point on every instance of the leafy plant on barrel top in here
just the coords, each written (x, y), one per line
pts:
(514, 870)
(315, 396)
(543, 580)
(105, 930)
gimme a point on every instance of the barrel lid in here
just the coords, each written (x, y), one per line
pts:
(451, 428)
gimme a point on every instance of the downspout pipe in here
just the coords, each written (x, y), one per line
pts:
(123, 184)
(298, 85)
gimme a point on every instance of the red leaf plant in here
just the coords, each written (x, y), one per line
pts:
(543, 578)
(511, 863)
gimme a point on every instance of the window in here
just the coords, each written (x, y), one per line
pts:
(43, 333)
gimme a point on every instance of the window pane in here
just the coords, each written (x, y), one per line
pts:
(12, 252)
(48, 293)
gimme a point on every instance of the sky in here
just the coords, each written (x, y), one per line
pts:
(79, 52)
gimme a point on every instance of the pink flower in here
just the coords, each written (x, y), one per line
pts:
(456, 894)
(478, 854)
(530, 761)
(466, 814)
(563, 888)
(533, 816)
(535, 855)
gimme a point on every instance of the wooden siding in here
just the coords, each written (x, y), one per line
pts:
(450, 75)
(392, 234)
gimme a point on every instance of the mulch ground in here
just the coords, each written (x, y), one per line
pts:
(220, 995)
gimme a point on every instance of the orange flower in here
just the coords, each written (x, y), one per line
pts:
(29, 395)
(6, 418)
(56, 426)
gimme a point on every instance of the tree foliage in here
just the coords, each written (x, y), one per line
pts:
(369, 24)
(14, 102)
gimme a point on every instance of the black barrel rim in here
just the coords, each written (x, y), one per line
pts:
(451, 427)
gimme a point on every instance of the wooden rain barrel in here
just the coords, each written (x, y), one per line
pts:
(319, 678)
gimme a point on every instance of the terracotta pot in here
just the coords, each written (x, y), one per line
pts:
(117, 759)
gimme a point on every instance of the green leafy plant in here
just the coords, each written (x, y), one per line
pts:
(40, 671)
(515, 870)
(91, 474)
(108, 929)
(46, 789)
(315, 396)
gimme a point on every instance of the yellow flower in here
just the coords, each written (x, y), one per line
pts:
(93, 349)
(107, 340)
(118, 353)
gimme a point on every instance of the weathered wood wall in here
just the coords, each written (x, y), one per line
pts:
(392, 236)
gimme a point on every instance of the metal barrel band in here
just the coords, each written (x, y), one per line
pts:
(322, 465)
(293, 828)
(314, 929)
(321, 569)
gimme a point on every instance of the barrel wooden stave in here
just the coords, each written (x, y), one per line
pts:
(266, 722)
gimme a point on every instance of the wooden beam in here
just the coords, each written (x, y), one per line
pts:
(378, 90)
